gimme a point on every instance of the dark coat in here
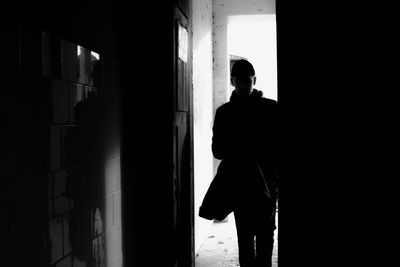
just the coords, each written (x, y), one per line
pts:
(245, 138)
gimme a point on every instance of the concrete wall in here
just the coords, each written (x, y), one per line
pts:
(203, 103)
(221, 10)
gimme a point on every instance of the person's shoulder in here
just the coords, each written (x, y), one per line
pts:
(223, 107)
(268, 101)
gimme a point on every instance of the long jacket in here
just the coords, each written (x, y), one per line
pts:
(246, 139)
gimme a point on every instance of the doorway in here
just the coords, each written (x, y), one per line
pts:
(252, 37)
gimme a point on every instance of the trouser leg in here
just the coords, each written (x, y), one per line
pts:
(265, 239)
(245, 236)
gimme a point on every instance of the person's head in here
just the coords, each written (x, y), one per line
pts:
(243, 77)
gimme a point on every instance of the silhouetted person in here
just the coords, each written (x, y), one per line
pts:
(245, 139)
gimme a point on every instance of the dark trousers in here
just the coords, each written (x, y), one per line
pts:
(255, 232)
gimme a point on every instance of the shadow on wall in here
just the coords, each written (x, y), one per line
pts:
(92, 182)
(84, 186)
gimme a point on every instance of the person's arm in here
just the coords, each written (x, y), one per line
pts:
(218, 145)
(269, 149)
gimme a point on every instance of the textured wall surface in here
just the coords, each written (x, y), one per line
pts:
(202, 97)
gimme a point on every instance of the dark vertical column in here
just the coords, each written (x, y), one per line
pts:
(147, 133)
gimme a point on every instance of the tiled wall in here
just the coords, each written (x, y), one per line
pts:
(61, 182)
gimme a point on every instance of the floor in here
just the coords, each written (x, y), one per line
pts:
(220, 249)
